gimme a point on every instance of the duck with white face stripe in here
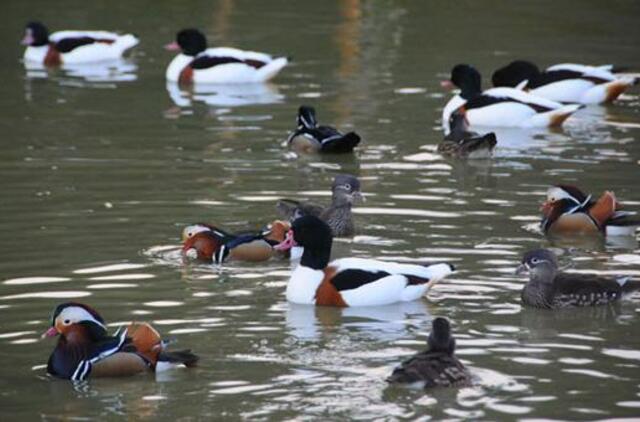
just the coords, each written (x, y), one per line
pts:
(550, 288)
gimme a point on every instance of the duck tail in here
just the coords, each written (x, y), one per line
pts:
(629, 285)
(126, 42)
(486, 142)
(184, 357)
(345, 143)
(557, 117)
(271, 69)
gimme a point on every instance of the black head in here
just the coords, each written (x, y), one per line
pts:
(514, 73)
(36, 34)
(191, 41)
(346, 189)
(440, 339)
(306, 117)
(468, 79)
(315, 236)
(540, 263)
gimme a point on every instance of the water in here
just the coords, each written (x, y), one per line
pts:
(101, 169)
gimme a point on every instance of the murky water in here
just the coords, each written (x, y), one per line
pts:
(101, 168)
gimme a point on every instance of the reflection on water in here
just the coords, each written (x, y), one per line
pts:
(97, 187)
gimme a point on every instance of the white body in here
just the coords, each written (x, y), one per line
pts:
(228, 73)
(95, 52)
(304, 282)
(582, 91)
(514, 113)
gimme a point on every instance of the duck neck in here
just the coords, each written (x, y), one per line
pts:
(539, 290)
(316, 256)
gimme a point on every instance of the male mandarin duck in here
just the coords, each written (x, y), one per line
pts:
(73, 47)
(84, 349)
(460, 143)
(437, 366)
(350, 281)
(345, 190)
(310, 137)
(197, 64)
(567, 210)
(209, 243)
(565, 83)
(550, 288)
(500, 107)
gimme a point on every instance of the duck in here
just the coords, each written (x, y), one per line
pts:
(460, 143)
(209, 243)
(197, 64)
(438, 366)
(500, 107)
(350, 282)
(567, 211)
(549, 288)
(311, 138)
(85, 349)
(345, 191)
(73, 47)
(565, 82)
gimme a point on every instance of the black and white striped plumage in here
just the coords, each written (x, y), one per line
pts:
(437, 366)
(311, 137)
(551, 289)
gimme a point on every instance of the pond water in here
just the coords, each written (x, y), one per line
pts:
(101, 168)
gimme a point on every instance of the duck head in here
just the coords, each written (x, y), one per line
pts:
(314, 235)
(35, 34)
(76, 318)
(193, 229)
(306, 117)
(561, 198)
(514, 73)
(346, 190)
(467, 78)
(276, 231)
(202, 245)
(458, 122)
(190, 41)
(440, 339)
(541, 264)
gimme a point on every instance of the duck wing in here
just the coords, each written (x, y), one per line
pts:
(435, 369)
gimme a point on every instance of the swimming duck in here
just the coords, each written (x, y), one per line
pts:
(197, 64)
(437, 366)
(350, 281)
(73, 47)
(565, 83)
(345, 190)
(84, 349)
(209, 243)
(568, 210)
(551, 289)
(309, 137)
(460, 143)
(500, 107)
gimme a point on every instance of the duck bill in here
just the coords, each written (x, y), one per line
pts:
(172, 46)
(288, 242)
(51, 332)
(447, 84)
(27, 40)
(358, 197)
(522, 268)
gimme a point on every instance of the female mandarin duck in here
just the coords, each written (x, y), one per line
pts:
(209, 243)
(500, 107)
(350, 281)
(197, 64)
(550, 288)
(565, 83)
(84, 348)
(345, 190)
(310, 137)
(460, 143)
(73, 47)
(567, 210)
(437, 366)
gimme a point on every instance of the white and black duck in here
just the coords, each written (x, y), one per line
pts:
(310, 137)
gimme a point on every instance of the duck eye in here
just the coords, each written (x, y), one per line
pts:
(535, 260)
(66, 322)
(347, 186)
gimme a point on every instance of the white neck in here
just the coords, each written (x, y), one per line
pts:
(175, 67)
(303, 284)
(36, 54)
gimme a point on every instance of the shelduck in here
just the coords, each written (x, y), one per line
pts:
(500, 107)
(350, 281)
(310, 137)
(84, 349)
(437, 366)
(345, 191)
(210, 244)
(460, 143)
(565, 83)
(197, 64)
(550, 288)
(73, 47)
(568, 210)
